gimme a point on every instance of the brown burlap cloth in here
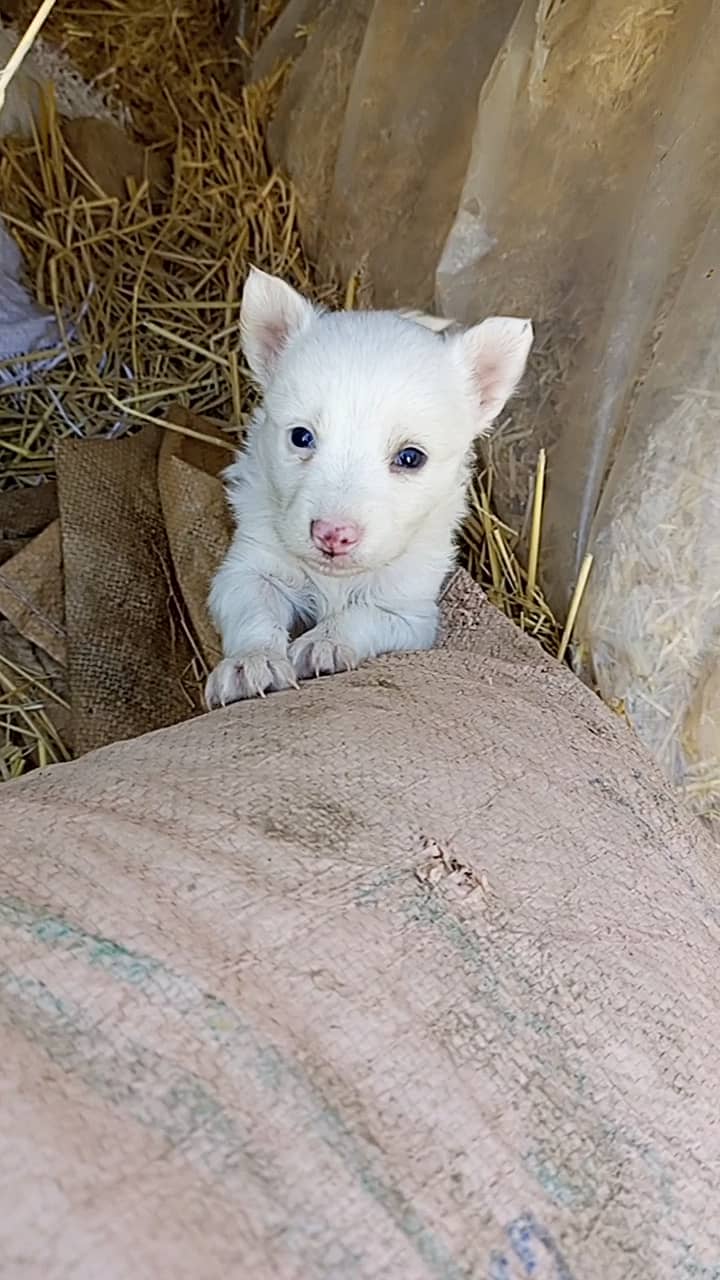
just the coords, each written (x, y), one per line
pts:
(114, 588)
(410, 974)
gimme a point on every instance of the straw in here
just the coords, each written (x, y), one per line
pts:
(536, 524)
(27, 734)
(490, 550)
(22, 48)
(575, 603)
(148, 291)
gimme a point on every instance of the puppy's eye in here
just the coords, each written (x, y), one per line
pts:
(409, 459)
(302, 438)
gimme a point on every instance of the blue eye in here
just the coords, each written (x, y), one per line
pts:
(409, 459)
(302, 438)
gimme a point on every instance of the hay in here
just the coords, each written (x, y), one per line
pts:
(147, 294)
(629, 51)
(489, 550)
(28, 737)
(146, 289)
(23, 47)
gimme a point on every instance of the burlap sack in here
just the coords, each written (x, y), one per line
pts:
(32, 592)
(23, 514)
(112, 161)
(144, 526)
(128, 654)
(409, 974)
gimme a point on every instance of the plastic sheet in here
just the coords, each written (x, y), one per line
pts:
(406, 140)
(651, 622)
(593, 172)
(375, 126)
(305, 133)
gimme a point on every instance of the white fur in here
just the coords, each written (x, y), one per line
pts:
(367, 384)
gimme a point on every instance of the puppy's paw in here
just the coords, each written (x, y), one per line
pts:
(317, 653)
(248, 675)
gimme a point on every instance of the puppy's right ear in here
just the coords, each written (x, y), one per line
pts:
(272, 315)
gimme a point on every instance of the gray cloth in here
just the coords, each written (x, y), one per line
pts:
(24, 325)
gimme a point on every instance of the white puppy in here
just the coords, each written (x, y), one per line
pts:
(352, 484)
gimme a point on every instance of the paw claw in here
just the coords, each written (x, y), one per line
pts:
(317, 654)
(249, 675)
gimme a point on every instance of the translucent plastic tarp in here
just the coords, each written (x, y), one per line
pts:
(651, 622)
(593, 173)
(375, 125)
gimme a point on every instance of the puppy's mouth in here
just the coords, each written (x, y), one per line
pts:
(335, 565)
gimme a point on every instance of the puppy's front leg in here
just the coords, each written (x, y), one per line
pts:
(254, 618)
(361, 631)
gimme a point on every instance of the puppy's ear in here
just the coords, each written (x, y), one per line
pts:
(272, 315)
(493, 356)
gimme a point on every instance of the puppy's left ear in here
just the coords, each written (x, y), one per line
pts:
(493, 356)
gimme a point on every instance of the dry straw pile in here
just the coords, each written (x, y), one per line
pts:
(146, 288)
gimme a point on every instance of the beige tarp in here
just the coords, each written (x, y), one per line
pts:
(409, 974)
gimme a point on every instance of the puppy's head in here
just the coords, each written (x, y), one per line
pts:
(367, 420)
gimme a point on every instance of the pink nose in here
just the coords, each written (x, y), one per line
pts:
(333, 538)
